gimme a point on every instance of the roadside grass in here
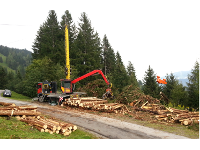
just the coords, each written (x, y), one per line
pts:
(16, 96)
(11, 128)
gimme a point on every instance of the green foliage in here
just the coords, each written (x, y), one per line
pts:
(150, 86)
(88, 49)
(108, 56)
(15, 59)
(3, 77)
(167, 88)
(1, 60)
(193, 87)
(39, 71)
(120, 77)
(131, 74)
(178, 94)
(49, 41)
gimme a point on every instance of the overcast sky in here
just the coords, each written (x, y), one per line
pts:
(162, 34)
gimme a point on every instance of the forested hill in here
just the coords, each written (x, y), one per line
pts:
(14, 59)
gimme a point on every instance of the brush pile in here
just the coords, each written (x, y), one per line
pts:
(95, 103)
(31, 116)
(95, 88)
(131, 93)
(167, 114)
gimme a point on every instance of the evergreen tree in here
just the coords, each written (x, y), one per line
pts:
(131, 74)
(3, 77)
(49, 41)
(167, 88)
(150, 86)
(10, 80)
(88, 47)
(108, 56)
(193, 87)
(17, 83)
(178, 94)
(120, 77)
(1, 60)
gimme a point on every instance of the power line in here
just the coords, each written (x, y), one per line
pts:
(12, 25)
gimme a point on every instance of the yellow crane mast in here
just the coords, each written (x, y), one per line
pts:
(67, 68)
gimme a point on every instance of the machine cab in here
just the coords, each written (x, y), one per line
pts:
(66, 86)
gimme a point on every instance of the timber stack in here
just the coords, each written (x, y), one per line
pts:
(95, 103)
(31, 116)
(167, 114)
(49, 125)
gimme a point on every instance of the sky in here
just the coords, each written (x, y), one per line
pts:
(162, 34)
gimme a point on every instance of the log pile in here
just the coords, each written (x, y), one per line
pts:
(12, 110)
(95, 103)
(168, 114)
(49, 125)
(30, 115)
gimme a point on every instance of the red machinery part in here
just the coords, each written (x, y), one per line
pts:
(89, 74)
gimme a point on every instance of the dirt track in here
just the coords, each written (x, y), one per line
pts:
(101, 126)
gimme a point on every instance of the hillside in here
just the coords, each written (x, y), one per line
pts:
(13, 59)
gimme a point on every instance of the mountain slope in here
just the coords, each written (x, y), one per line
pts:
(13, 59)
(4, 65)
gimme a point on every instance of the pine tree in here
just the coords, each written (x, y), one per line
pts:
(178, 94)
(167, 88)
(49, 41)
(108, 56)
(131, 74)
(193, 87)
(88, 47)
(150, 86)
(3, 77)
(120, 77)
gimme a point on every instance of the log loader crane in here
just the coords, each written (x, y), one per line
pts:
(67, 84)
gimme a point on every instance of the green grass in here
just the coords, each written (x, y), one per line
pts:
(11, 128)
(16, 96)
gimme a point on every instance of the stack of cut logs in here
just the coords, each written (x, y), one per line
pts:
(170, 114)
(49, 125)
(30, 115)
(96, 104)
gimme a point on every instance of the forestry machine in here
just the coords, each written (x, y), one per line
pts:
(67, 84)
(161, 81)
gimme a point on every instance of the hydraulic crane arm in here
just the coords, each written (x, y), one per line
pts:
(89, 74)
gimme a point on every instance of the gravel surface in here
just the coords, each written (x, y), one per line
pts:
(102, 127)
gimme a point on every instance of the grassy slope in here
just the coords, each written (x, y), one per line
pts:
(11, 128)
(16, 96)
(4, 63)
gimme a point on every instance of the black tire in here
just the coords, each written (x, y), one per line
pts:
(41, 99)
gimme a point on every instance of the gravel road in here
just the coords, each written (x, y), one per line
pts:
(102, 127)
